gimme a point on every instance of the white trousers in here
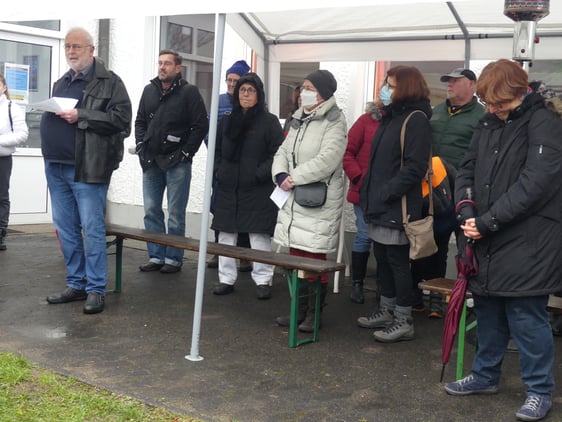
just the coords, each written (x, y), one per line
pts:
(261, 273)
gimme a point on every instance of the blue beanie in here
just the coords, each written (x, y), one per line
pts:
(240, 68)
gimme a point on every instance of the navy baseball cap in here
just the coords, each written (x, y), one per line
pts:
(459, 73)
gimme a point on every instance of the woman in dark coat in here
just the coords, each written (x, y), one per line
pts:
(513, 169)
(247, 140)
(381, 194)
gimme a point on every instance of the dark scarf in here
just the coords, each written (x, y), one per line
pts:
(239, 123)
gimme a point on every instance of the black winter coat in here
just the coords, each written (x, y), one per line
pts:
(513, 168)
(385, 182)
(243, 158)
(104, 121)
(170, 125)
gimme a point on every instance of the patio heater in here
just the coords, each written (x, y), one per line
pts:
(525, 14)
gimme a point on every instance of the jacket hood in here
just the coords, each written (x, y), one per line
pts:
(254, 80)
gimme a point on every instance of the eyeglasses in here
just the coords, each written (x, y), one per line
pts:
(498, 106)
(231, 81)
(76, 47)
(248, 90)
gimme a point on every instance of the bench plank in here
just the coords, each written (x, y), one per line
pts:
(278, 259)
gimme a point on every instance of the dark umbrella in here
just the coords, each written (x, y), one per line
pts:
(466, 268)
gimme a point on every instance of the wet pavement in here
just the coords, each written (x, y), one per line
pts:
(137, 347)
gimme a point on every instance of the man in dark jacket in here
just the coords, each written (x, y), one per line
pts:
(81, 147)
(170, 125)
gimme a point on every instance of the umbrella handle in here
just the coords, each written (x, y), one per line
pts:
(463, 202)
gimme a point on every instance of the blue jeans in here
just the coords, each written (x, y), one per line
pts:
(526, 319)
(79, 217)
(176, 181)
(362, 243)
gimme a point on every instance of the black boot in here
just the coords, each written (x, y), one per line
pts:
(307, 325)
(285, 320)
(3, 239)
(358, 271)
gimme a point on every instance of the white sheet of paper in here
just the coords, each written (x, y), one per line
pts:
(55, 104)
(279, 196)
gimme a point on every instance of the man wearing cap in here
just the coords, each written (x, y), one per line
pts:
(233, 75)
(454, 119)
(453, 123)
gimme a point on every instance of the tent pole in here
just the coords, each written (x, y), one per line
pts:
(213, 119)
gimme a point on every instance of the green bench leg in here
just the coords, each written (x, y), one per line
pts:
(295, 285)
(463, 329)
(118, 242)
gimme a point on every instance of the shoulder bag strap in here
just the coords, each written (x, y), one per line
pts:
(405, 217)
(10, 115)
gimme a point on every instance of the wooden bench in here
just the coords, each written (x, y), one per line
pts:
(445, 286)
(297, 268)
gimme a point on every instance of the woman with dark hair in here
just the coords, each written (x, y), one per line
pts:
(513, 171)
(247, 140)
(13, 132)
(392, 175)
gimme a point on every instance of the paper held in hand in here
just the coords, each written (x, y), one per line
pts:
(54, 104)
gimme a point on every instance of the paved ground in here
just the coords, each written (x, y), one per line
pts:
(138, 346)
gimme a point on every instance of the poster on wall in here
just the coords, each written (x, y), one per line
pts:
(17, 79)
(33, 62)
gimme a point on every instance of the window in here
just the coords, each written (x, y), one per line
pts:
(38, 58)
(179, 38)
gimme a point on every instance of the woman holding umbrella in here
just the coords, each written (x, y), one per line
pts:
(513, 168)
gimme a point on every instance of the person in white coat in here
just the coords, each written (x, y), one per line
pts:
(13, 132)
(312, 152)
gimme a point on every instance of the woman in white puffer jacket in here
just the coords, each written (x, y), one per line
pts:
(13, 132)
(312, 152)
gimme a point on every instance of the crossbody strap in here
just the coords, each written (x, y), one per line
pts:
(10, 115)
(405, 217)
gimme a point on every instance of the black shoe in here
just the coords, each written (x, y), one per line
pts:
(169, 269)
(263, 291)
(94, 304)
(150, 266)
(68, 295)
(223, 289)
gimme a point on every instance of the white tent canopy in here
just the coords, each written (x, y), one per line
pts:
(294, 21)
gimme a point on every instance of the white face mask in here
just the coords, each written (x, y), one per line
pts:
(308, 98)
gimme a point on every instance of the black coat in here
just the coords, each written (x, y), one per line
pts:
(513, 168)
(104, 121)
(244, 153)
(385, 182)
(178, 114)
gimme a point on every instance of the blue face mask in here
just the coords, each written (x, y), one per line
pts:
(385, 94)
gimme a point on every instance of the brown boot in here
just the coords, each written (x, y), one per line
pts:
(307, 326)
(285, 320)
